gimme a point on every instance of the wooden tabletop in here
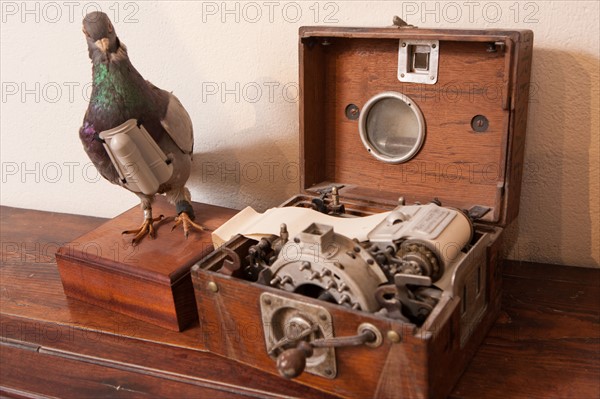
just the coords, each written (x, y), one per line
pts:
(546, 343)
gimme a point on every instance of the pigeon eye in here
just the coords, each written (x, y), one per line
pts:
(110, 28)
(85, 32)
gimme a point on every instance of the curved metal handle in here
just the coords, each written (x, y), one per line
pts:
(363, 337)
(291, 362)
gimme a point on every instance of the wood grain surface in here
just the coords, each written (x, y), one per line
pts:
(92, 351)
(461, 167)
(546, 343)
(150, 281)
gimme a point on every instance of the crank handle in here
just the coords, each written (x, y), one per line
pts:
(291, 362)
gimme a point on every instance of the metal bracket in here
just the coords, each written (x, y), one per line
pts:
(418, 61)
(286, 322)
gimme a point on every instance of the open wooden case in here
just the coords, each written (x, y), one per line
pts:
(426, 115)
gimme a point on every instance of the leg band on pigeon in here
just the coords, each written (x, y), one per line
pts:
(184, 206)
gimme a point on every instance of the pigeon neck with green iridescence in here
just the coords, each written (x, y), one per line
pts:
(118, 87)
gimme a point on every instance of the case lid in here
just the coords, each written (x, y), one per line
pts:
(441, 113)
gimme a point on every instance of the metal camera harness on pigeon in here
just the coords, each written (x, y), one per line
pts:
(141, 164)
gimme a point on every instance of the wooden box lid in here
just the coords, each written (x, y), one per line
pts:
(163, 260)
(480, 73)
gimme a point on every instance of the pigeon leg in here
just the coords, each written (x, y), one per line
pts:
(185, 218)
(147, 228)
(186, 221)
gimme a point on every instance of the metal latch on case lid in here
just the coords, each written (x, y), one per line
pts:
(418, 61)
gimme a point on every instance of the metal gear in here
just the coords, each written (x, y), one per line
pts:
(419, 259)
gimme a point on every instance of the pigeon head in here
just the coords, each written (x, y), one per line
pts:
(101, 37)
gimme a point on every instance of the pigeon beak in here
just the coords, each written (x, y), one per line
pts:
(103, 44)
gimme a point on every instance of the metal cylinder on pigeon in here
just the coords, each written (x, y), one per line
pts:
(137, 157)
(136, 170)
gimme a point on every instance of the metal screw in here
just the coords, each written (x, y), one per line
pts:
(479, 123)
(323, 316)
(267, 301)
(352, 113)
(213, 286)
(328, 371)
(393, 336)
(432, 77)
(401, 75)
(433, 46)
(403, 44)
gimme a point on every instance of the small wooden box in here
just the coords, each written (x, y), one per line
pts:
(150, 281)
(475, 115)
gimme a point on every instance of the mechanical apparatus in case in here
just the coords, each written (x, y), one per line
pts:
(381, 278)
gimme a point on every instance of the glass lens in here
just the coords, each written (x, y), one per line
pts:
(392, 127)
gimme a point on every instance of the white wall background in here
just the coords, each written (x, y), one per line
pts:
(234, 66)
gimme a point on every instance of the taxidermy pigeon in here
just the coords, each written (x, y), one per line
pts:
(120, 94)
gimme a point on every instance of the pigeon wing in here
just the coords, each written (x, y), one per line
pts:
(178, 125)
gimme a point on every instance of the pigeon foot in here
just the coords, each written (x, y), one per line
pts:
(147, 228)
(187, 223)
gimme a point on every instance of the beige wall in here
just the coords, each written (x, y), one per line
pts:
(235, 69)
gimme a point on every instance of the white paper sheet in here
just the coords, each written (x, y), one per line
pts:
(252, 224)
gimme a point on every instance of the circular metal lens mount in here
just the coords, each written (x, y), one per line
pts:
(392, 127)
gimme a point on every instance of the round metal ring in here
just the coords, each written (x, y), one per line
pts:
(370, 327)
(392, 127)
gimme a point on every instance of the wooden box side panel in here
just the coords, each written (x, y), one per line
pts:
(520, 103)
(447, 359)
(312, 127)
(230, 325)
(139, 298)
(184, 300)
